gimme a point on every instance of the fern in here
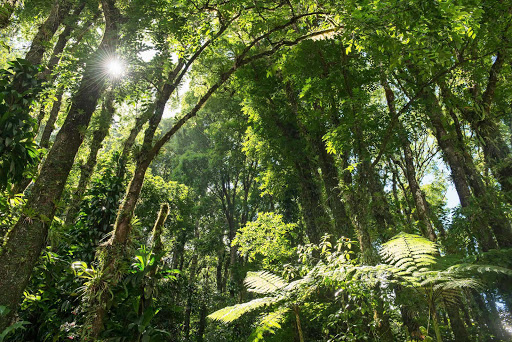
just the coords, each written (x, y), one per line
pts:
(469, 268)
(264, 282)
(232, 313)
(269, 323)
(410, 253)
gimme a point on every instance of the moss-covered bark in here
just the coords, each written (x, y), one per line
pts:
(27, 238)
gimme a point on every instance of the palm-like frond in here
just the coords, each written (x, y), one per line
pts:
(264, 282)
(470, 268)
(269, 323)
(450, 292)
(410, 253)
(232, 313)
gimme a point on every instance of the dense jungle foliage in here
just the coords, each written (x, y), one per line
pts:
(256, 170)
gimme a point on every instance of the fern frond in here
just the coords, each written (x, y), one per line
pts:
(269, 323)
(467, 283)
(232, 313)
(451, 291)
(264, 282)
(471, 268)
(410, 253)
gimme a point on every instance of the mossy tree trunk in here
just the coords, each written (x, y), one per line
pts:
(46, 31)
(31, 229)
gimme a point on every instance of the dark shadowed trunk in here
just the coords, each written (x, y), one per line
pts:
(456, 323)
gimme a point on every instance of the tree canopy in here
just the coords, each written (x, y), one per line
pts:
(233, 170)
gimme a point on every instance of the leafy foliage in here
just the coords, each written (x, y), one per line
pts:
(19, 87)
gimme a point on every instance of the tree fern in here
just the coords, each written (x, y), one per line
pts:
(264, 282)
(269, 323)
(410, 253)
(472, 269)
(232, 313)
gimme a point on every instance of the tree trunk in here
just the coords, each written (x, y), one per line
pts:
(50, 123)
(458, 328)
(435, 322)
(456, 163)
(296, 311)
(315, 216)
(57, 55)
(86, 170)
(418, 196)
(191, 287)
(202, 322)
(220, 261)
(30, 232)
(342, 223)
(496, 151)
(148, 285)
(489, 205)
(45, 33)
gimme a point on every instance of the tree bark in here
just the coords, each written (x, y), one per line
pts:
(496, 151)
(457, 325)
(418, 196)
(202, 322)
(191, 287)
(456, 162)
(56, 57)
(30, 232)
(50, 123)
(46, 31)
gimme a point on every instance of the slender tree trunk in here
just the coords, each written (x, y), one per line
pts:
(220, 261)
(202, 322)
(418, 196)
(435, 323)
(148, 286)
(496, 151)
(296, 311)
(86, 170)
(50, 123)
(30, 232)
(191, 287)
(45, 33)
(57, 55)
(55, 59)
(314, 214)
